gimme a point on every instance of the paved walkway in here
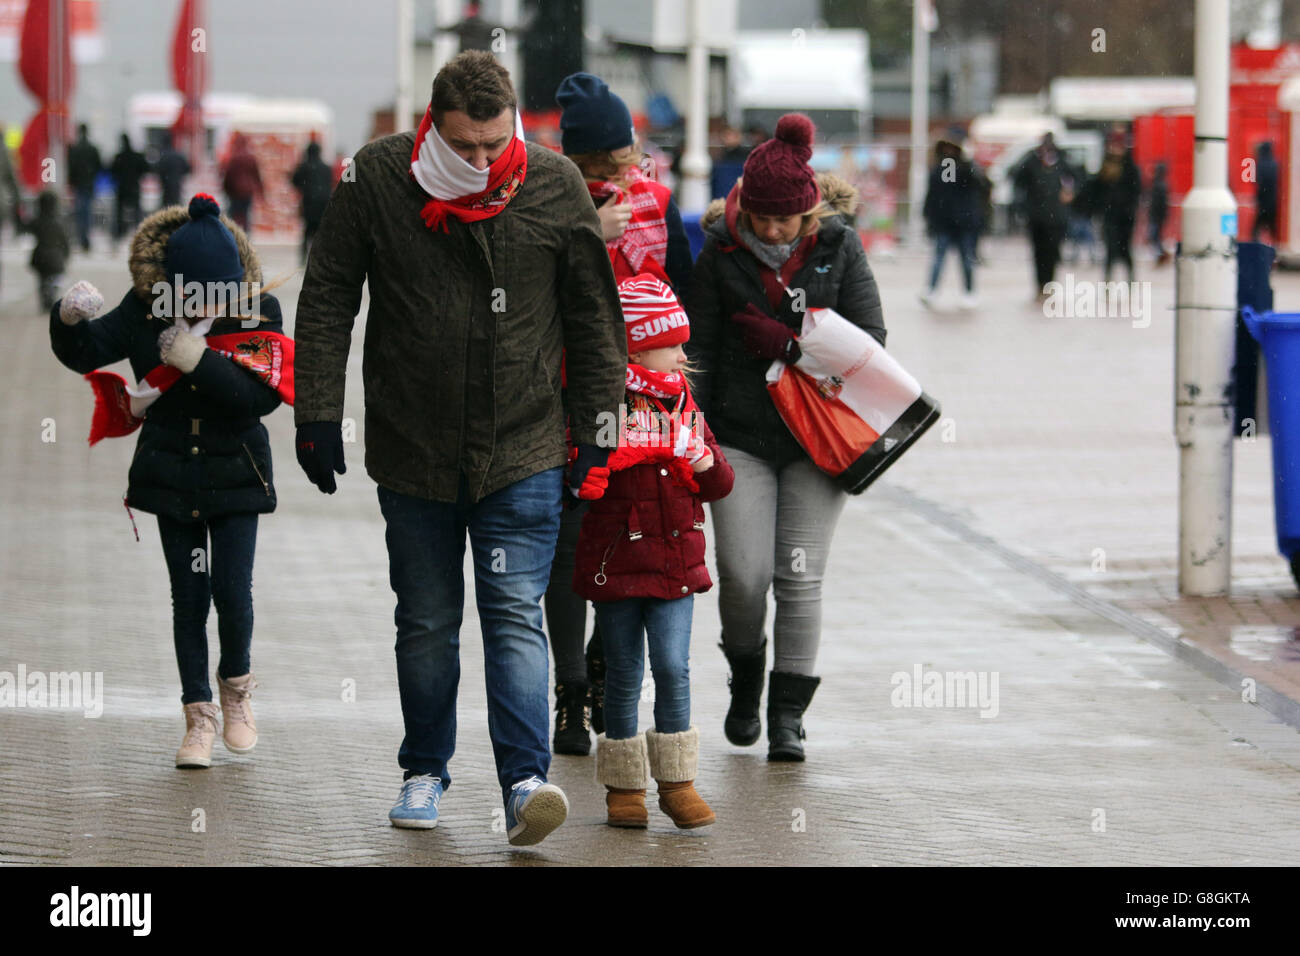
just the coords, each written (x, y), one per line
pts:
(1101, 745)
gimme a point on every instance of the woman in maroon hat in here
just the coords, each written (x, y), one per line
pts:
(777, 245)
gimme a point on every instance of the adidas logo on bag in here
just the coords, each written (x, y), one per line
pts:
(890, 443)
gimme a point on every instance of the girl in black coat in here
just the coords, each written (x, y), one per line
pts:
(203, 461)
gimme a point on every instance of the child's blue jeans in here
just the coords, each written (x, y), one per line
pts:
(626, 627)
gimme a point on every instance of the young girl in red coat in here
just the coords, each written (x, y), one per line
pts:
(641, 561)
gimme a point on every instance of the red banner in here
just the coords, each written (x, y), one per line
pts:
(45, 64)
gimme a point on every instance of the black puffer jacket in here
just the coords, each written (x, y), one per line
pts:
(201, 452)
(730, 386)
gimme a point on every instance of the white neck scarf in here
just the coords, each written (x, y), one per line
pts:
(443, 174)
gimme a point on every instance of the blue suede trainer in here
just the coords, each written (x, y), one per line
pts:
(533, 809)
(417, 804)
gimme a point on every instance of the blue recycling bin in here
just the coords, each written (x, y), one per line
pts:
(1278, 334)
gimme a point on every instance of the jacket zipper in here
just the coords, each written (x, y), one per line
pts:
(257, 471)
(600, 577)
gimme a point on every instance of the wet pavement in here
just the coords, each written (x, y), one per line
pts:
(1024, 552)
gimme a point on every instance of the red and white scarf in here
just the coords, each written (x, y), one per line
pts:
(655, 432)
(120, 408)
(644, 243)
(455, 187)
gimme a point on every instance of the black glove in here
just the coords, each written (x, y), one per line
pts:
(320, 453)
(589, 476)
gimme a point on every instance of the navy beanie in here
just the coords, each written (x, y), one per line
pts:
(203, 250)
(594, 118)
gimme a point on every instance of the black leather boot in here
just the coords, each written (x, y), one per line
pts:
(572, 720)
(788, 696)
(742, 725)
(596, 678)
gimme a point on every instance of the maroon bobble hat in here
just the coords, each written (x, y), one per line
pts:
(777, 180)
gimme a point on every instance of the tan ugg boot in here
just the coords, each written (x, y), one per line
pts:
(621, 767)
(200, 733)
(237, 727)
(674, 759)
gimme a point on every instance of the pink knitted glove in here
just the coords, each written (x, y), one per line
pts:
(82, 301)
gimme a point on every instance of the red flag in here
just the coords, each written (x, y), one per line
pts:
(190, 67)
(45, 64)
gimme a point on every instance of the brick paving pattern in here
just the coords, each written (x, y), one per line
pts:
(1104, 748)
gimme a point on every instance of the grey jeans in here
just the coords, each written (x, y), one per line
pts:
(774, 531)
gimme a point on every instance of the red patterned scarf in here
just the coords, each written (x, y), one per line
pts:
(458, 189)
(644, 243)
(119, 409)
(654, 432)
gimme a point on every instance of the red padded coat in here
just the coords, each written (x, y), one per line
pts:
(645, 536)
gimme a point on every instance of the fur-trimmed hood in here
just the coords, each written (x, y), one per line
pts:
(148, 261)
(839, 195)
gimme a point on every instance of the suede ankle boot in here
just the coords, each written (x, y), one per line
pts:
(237, 727)
(200, 734)
(621, 767)
(674, 759)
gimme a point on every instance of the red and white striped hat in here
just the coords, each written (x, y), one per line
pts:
(653, 317)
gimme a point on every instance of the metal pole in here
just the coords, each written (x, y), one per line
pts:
(403, 103)
(918, 174)
(509, 55)
(1205, 336)
(58, 93)
(695, 156)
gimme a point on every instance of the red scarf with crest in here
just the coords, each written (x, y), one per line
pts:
(267, 355)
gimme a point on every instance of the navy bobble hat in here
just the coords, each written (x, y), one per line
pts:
(594, 117)
(204, 250)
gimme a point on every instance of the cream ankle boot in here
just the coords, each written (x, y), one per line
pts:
(200, 733)
(621, 767)
(237, 727)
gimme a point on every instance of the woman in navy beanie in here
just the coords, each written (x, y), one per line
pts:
(208, 364)
(643, 234)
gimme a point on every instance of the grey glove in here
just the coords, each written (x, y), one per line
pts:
(80, 302)
(180, 350)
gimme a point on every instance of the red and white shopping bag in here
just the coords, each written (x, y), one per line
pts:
(851, 406)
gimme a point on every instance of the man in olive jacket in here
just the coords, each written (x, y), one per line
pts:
(486, 268)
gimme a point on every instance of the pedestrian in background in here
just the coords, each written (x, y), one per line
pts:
(1158, 211)
(127, 169)
(50, 254)
(10, 197)
(203, 459)
(84, 167)
(172, 168)
(242, 180)
(777, 245)
(1266, 176)
(1048, 186)
(640, 561)
(643, 232)
(1114, 193)
(314, 182)
(952, 215)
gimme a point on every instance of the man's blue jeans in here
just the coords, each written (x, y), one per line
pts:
(626, 627)
(512, 537)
